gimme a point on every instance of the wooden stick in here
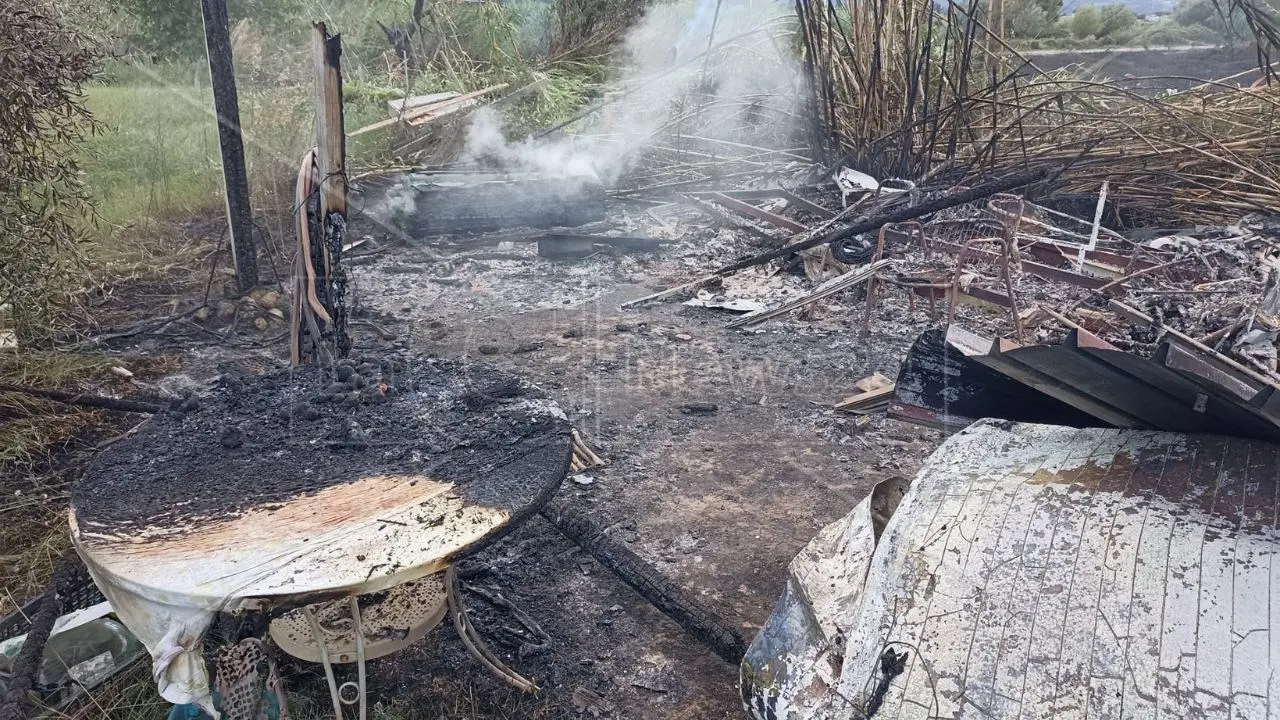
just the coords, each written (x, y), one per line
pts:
(1212, 338)
(419, 115)
(692, 285)
(686, 610)
(1134, 315)
(1139, 273)
(1061, 318)
(896, 216)
(84, 399)
(850, 279)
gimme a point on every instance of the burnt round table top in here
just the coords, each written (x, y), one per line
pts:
(318, 481)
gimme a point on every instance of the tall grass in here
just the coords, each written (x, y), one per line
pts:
(158, 154)
(905, 89)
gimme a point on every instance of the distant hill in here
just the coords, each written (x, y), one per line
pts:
(1141, 7)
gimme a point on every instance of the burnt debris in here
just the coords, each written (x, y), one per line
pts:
(267, 439)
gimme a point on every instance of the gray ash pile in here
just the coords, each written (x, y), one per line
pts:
(254, 442)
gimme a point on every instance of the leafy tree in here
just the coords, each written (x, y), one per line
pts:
(43, 64)
(1205, 13)
(1116, 21)
(1168, 32)
(175, 29)
(1052, 8)
(1086, 22)
(1025, 19)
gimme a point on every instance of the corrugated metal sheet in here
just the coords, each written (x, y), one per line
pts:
(1181, 388)
(1036, 571)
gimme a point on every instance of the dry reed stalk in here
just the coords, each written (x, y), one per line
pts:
(902, 88)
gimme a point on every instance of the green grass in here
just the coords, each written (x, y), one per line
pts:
(158, 154)
(157, 164)
(158, 157)
(31, 427)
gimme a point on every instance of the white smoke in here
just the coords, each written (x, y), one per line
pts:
(742, 95)
(487, 145)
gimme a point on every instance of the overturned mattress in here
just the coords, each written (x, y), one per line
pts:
(1038, 571)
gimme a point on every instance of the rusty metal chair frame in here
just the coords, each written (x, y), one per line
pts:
(914, 230)
(1007, 241)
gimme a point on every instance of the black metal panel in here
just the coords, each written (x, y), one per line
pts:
(1081, 385)
(940, 379)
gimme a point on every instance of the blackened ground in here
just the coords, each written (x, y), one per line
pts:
(721, 500)
(604, 639)
(260, 440)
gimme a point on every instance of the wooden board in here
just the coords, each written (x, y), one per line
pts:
(874, 391)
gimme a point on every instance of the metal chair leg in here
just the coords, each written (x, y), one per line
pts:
(324, 659)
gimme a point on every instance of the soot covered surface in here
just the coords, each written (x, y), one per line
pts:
(265, 440)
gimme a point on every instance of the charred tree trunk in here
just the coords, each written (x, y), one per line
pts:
(226, 104)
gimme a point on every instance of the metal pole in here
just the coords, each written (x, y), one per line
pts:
(217, 38)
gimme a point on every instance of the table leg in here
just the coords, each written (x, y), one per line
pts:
(359, 630)
(318, 634)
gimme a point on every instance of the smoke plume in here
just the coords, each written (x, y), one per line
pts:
(673, 97)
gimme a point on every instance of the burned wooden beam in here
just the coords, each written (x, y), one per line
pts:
(706, 208)
(901, 214)
(854, 277)
(699, 621)
(84, 399)
(331, 142)
(746, 208)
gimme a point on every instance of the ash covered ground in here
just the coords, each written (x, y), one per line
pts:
(724, 454)
(261, 440)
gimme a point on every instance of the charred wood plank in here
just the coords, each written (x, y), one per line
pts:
(699, 621)
(84, 399)
(746, 208)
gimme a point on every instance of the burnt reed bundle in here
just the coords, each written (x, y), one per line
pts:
(903, 88)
